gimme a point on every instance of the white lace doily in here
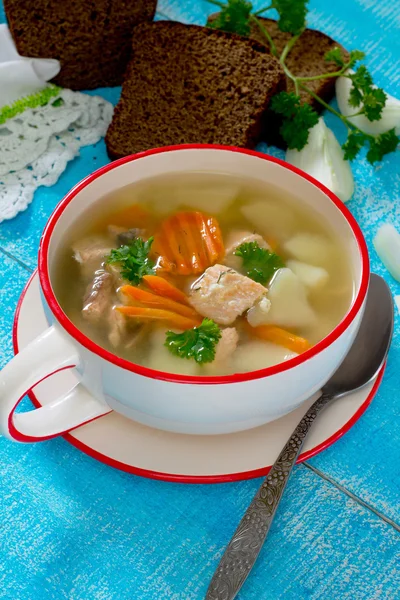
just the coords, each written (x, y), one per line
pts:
(36, 145)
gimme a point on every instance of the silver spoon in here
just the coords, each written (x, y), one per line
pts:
(360, 366)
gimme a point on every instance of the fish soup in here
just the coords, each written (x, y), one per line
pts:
(203, 274)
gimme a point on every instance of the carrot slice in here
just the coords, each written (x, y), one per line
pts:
(281, 337)
(215, 232)
(153, 300)
(156, 314)
(189, 235)
(177, 245)
(164, 288)
(207, 238)
(192, 240)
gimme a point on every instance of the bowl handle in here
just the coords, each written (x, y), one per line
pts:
(49, 353)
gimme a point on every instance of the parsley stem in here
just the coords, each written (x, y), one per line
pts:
(323, 76)
(283, 57)
(325, 104)
(293, 78)
(288, 48)
(340, 73)
(265, 33)
(263, 10)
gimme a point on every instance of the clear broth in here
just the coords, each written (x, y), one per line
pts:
(224, 197)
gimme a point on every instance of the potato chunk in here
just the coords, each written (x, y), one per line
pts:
(314, 278)
(270, 218)
(289, 305)
(255, 355)
(310, 248)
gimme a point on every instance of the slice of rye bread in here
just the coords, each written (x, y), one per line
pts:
(191, 84)
(306, 59)
(91, 38)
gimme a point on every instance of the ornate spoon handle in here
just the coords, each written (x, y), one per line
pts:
(246, 543)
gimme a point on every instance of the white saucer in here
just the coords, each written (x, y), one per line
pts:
(127, 445)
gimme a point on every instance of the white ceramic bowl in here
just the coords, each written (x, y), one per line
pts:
(179, 403)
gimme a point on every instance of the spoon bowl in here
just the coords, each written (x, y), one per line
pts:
(371, 344)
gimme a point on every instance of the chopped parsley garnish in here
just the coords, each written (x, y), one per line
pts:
(198, 343)
(259, 263)
(134, 259)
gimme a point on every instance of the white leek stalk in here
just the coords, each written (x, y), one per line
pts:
(323, 159)
(387, 246)
(397, 302)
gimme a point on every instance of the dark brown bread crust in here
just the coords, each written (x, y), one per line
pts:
(191, 84)
(305, 59)
(91, 38)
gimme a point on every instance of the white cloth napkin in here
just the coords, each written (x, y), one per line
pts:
(21, 76)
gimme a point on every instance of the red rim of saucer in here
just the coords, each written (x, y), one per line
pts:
(154, 374)
(203, 479)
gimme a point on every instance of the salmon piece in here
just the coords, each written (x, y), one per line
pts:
(227, 344)
(222, 294)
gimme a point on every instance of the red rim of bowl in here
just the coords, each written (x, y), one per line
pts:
(189, 379)
(191, 479)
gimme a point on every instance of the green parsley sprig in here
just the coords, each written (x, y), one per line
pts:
(134, 259)
(297, 117)
(259, 263)
(198, 343)
(233, 17)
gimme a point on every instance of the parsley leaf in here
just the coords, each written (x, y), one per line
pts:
(234, 17)
(355, 97)
(298, 119)
(374, 103)
(353, 144)
(198, 343)
(285, 103)
(134, 259)
(363, 91)
(383, 144)
(259, 263)
(361, 78)
(355, 56)
(292, 15)
(336, 55)
(378, 146)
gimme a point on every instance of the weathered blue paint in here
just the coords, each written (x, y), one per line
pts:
(71, 528)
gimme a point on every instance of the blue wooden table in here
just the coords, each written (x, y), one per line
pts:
(72, 528)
